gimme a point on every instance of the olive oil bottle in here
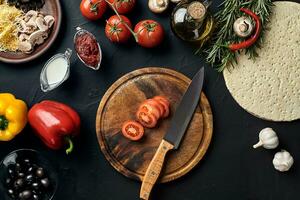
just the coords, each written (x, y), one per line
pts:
(192, 22)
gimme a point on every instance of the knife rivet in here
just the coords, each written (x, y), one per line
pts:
(153, 173)
(164, 148)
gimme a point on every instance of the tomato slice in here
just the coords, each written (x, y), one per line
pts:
(152, 107)
(165, 103)
(159, 106)
(146, 119)
(132, 130)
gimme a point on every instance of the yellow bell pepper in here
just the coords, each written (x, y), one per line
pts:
(13, 116)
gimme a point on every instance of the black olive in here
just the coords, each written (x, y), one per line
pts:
(10, 192)
(30, 169)
(38, 192)
(40, 172)
(35, 185)
(21, 174)
(11, 172)
(21, 196)
(36, 197)
(19, 183)
(8, 181)
(18, 167)
(29, 178)
(26, 194)
(27, 161)
(45, 182)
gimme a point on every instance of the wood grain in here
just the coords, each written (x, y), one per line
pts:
(51, 7)
(120, 103)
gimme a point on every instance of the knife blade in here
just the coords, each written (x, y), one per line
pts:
(174, 134)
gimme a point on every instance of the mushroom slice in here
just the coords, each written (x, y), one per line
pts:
(41, 24)
(21, 24)
(30, 14)
(23, 37)
(49, 20)
(31, 23)
(37, 37)
(158, 6)
(25, 47)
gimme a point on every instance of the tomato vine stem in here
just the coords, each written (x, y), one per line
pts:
(115, 10)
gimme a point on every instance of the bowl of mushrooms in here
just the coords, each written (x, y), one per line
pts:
(32, 32)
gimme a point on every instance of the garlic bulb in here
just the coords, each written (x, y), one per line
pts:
(283, 161)
(267, 138)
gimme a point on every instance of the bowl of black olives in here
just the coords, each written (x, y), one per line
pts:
(26, 175)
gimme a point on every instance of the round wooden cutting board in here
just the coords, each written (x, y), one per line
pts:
(121, 102)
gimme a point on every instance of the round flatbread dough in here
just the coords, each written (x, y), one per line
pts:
(269, 87)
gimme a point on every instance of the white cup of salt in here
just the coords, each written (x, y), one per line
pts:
(55, 71)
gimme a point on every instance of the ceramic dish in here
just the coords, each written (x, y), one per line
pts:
(51, 7)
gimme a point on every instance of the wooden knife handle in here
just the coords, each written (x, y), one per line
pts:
(154, 169)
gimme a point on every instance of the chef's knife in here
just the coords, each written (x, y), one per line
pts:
(175, 133)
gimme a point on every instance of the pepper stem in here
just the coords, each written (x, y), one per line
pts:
(3, 122)
(71, 145)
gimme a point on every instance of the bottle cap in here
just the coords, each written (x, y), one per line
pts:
(196, 10)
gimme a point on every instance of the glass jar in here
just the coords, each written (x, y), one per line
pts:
(192, 22)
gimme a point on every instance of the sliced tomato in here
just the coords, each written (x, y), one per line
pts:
(158, 105)
(133, 130)
(146, 119)
(152, 107)
(165, 103)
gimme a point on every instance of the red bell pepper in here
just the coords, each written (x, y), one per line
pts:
(55, 123)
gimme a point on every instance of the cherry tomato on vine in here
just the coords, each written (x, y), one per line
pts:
(123, 6)
(149, 33)
(93, 9)
(116, 30)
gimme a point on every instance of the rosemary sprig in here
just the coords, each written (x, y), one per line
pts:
(221, 57)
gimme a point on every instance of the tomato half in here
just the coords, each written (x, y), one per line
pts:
(116, 30)
(146, 119)
(165, 103)
(123, 6)
(151, 106)
(133, 130)
(149, 33)
(93, 9)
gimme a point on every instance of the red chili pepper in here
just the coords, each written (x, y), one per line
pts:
(253, 38)
(55, 123)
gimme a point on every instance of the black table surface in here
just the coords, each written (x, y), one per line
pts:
(231, 169)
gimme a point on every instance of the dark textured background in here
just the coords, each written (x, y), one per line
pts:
(231, 168)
